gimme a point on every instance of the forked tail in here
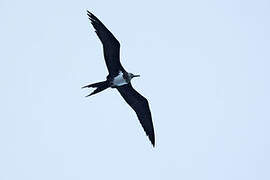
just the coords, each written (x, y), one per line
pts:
(100, 86)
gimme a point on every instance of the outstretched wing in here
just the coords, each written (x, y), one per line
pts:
(140, 105)
(111, 46)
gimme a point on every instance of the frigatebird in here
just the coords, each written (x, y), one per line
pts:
(119, 78)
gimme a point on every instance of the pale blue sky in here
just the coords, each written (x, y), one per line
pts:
(204, 68)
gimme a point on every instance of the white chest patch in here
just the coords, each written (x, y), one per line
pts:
(119, 80)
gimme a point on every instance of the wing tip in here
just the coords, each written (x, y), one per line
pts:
(88, 12)
(152, 140)
(91, 16)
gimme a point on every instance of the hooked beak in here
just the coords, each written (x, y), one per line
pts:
(136, 76)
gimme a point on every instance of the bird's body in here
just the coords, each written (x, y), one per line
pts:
(119, 78)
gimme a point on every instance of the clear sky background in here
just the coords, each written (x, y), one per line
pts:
(204, 68)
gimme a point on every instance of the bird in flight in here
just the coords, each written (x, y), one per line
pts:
(119, 78)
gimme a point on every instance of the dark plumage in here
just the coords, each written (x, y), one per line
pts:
(119, 78)
(140, 105)
(111, 46)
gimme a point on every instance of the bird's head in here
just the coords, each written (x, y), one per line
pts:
(132, 75)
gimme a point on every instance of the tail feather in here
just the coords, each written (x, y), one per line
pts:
(100, 86)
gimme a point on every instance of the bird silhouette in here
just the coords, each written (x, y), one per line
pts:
(119, 78)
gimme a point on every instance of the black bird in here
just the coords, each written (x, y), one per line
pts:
(119, 78)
